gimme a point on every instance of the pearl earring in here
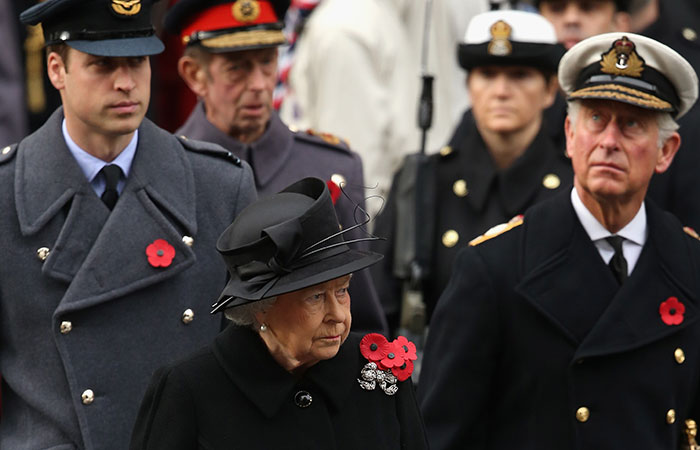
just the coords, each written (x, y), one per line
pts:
(263, 327)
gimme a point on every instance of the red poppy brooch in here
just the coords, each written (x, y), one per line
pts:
(334, 190)
(389, 362)
(672, 311)
(160, 253)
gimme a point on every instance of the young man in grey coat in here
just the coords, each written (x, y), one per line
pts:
(109, 227)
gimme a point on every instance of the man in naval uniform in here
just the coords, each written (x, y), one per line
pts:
(578, 326)
(230, 63)
(498, 162)
(109, 231)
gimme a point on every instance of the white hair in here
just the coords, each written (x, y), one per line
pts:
(667, 126)
(244, 315)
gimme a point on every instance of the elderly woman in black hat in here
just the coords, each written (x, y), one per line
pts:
(289, 373)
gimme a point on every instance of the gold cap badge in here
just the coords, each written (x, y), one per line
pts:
(246, 10)
(500, 45)
(622, 59)
(126, 7)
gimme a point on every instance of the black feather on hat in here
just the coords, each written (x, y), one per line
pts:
(286, 242)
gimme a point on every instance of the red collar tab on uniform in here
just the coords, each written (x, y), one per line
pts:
(241, 13)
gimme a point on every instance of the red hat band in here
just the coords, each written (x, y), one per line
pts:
(239, 23)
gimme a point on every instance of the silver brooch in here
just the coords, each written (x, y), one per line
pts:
(372, 376)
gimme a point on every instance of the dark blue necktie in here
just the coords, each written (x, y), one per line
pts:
(111, 172)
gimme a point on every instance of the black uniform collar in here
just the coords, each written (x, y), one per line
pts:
(249, 365)
(517, 184)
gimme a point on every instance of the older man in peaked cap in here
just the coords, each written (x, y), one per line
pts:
(230, 63)
(109, 228)
(578, 326)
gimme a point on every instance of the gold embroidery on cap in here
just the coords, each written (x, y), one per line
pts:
(246, 10)
(126, 7)
(625, 94)
(245, 38)
(500, 45)
(622, 59)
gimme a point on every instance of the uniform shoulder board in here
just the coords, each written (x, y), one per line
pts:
(330, 140)
(691, 232)
(209, 148)
(497, 230)
(7, 153)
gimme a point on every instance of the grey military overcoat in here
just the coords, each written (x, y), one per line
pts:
(83, 329)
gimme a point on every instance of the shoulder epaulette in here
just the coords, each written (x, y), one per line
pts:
(327, 139)
(209, 148)
(7, 153)
(497, 230)
(691, 232)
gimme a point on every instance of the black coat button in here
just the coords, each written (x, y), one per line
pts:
(303, 399)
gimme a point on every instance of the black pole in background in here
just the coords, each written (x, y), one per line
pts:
(425, 105)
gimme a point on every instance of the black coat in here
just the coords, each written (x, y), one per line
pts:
(491, 197)
(533, 327)
(234, 395)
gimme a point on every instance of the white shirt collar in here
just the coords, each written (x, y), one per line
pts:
(635, 231)
(91, 165)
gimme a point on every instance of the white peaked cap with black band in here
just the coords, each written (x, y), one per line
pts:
(632, 69)
(510, 38)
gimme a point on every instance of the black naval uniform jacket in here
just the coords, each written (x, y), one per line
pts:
(471, 195)
(535, 346)
(85, 322)
(279, 158)
(233, 395)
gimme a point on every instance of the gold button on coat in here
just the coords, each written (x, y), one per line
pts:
(679, 354)
(446, 150)
(88, 397)
(689, 34)
(551, 181)
(187, 316)
(338, 179)
(188, 240)
(450, 238)
(66, 327)
(582, 414)
(671, 416)
(460, 188)
(43, 253)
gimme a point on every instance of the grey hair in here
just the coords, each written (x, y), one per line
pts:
(244, 315)
(667, 126)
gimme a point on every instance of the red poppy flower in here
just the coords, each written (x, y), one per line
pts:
(160, 253)
(374, 347)
(403, 372)
(334, 189)
(407, 348)
(672, 311)
(394, 358)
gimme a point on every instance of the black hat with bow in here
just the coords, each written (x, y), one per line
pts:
(286, 242)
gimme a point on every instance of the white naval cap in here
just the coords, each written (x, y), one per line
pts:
(510, 38)
(629, 68)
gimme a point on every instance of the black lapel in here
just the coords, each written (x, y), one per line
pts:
(666, 268)
(560, 262)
